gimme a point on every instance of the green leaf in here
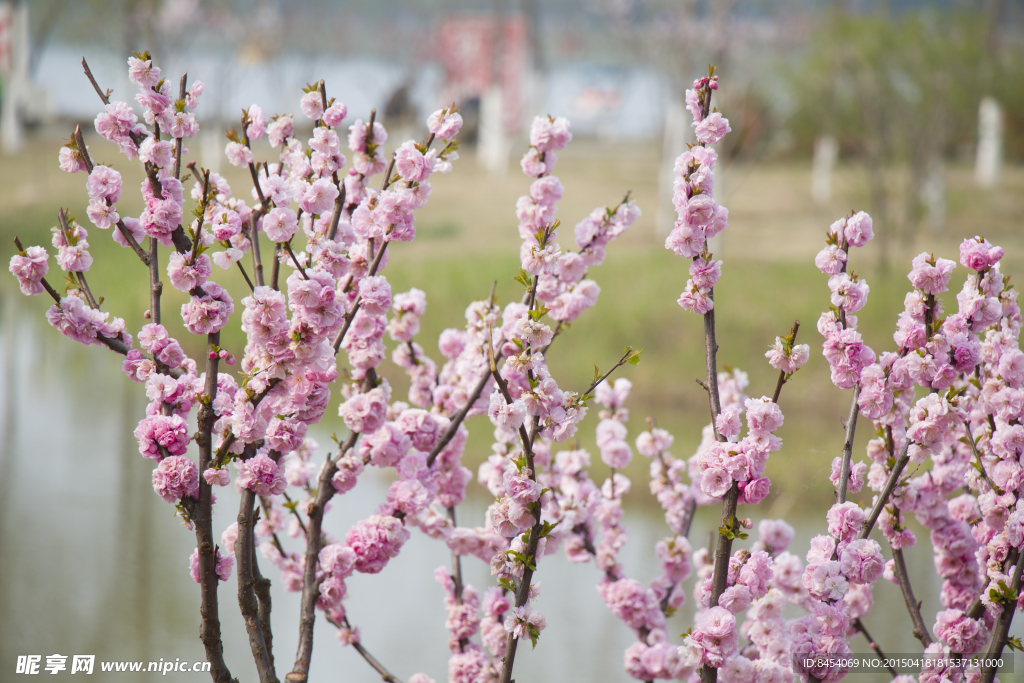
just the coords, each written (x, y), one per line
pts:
(507, 585)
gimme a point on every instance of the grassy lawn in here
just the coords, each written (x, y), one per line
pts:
(467, 239)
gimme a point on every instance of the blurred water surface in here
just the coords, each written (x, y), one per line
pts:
(93, 562)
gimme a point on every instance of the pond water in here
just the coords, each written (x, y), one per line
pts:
(93, 562)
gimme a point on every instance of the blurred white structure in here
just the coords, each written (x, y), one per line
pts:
(493, 146)
(14, 68)
(826, 149)
(933, 193)
(674, 139)
(990, 143)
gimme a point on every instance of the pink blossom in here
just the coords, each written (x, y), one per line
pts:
(977, 254)
(104, 183)
(158, 434)
(261, 475)
(845, 521)
(931, 275)
(280, 224)
(830, 260)
(215, 477)
(444, 124)
(375, 294)
(712, 129)
(208, 313)
(861, 561)
(375, 541)
(413, 165)
(312, 105)
(335, 114)
(71, 160)
(175, 478)
(754, 491)
(257, 123)
(858, 230)
(549, 134)
(186, 275)
(238, 154)
(30, 269)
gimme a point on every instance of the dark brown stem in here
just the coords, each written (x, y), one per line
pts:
(210, 633)
(178, 142)
(314, 543)
(851, 428)
(358, 302)
(295, 260)
(859, 625)
(977, 457)
(883, 497)
(275, 269)
(1002, 626)
(453, 426)
(246, 276)
(457, 576)
(262, 589)
(622, 361)
(782, 373)
(247, 602)
(254, 241)
(156, 287)
(723, 551)
(913, 605)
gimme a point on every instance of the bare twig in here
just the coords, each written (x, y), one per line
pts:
(859, 625)
(782, 373)
(913, 605)
(883, 497)
(851, 428)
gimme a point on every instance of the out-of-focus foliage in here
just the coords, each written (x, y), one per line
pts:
(913, 82)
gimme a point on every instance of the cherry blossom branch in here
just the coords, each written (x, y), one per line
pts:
(782, 373)
(859, 625)
(125, 232)
(385, 675)
(913, 604)
(350, 316)
(222, 452)
(883, 497)
(723, 550)
(314, 542)
(1002, 626)
(977, 457)
(523, 590)
(627, 356)
(254, 241)
(457, 576)
(83, 285)
(210, 633)
(295, 260)
(262, 590)
(247, 602)
(179, 142)
(851, 428)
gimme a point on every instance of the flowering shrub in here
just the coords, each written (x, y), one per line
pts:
(949, 399)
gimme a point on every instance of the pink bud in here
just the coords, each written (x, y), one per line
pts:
(213, 355)
(146, 315)
(231, 361)
(224, 354)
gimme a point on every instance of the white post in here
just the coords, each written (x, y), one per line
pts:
(12, 137)
(933, 193)
(990, 143)
(674, 138)
(826, 149)
(492, 150)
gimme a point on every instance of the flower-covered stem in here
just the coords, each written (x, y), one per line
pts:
(859, 625)
(883, 497)
(350, 316)
(210, 633)
(977, 459)
(913, 604)
(851, 428)
(457, 420)
(782, 373)
(314, 543)
(63, 218)
(46, 285)
(125, 232)
(1002, 626)
(247, 602)
(179, 142)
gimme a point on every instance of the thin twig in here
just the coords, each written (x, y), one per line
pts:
(859, 625)
(782, 373)
(883, 497)
(913, 604)
(851, 428)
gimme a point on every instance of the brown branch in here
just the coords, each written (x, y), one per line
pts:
(457, 576)
(314, 543)
(913, 604)
(246, 276)
(782, 373)
(83, 285)
(295, 260)
(222, 452)
(247, 602)
(179, 142)
(723, 551)
(883, 497)
(262, 589)
(859, 625)
(1002, 626)
(977, 456)
(851, 428)
(254, 241)
(275, 269)
(460, 416)
(210, 634)
(622, 361)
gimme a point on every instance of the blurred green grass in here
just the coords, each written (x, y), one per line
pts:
(467, 241)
